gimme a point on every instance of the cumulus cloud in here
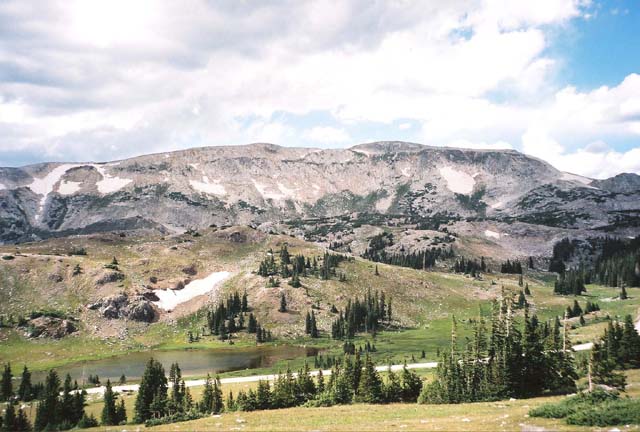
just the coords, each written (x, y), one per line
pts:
(93, 80)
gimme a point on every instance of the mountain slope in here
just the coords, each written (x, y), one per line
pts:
(260, 183)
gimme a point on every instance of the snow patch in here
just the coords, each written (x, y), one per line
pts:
(406, 172)
(208, 187)
(491, 234)
(266, 194)
(44, 186)
(457, 181)
(576, 178)
(69, 188)
(109, 184)
(496, 205)
(286, 191)
(2, 186)
(169, 298)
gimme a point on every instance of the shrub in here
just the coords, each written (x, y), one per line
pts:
(622, 411)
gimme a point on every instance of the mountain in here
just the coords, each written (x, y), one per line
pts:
(261, 184)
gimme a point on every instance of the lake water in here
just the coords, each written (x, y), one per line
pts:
(196, 362)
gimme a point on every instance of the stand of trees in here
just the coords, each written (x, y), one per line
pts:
(618, 264)
(365, 315)
(470, 266)
(300, 266)
(416, 260)
(504, 361)
(350, 380)
(511, 267)
(570, 282)
(229, 317)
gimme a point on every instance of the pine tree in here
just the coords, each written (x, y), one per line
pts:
(121, 412)
(25, 391)
(152, 392)
(6, 387)
(48, 410)
(526, 289)
(623, 293)
(283, 303)
(109, 416)
(9, 419)
(22, 423)
(370, 386)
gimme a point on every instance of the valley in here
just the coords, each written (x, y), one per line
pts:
(97, 301)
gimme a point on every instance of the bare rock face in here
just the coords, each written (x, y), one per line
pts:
(50, 327)
(136, 307)
(261, 183)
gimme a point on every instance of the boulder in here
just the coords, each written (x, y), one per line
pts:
(190, 270)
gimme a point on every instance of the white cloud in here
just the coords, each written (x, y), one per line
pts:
(327, 135)
(84, 85)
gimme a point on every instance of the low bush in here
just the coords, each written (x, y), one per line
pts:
(598, 408)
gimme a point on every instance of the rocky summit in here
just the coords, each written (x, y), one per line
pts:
(262, 184)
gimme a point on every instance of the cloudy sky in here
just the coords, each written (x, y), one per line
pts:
(100, 80)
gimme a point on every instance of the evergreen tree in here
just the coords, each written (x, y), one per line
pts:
(121, 412)
(109, 416)
(370, 386)
(9, 418)
(6, 387)
(25, 391)
(283, 303)
(623, 293)
(152, 392)
(48, 410)
(22, 423)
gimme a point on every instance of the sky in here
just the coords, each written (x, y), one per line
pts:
(89, 80)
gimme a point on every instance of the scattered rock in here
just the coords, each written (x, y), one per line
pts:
(50, 327)
(55, 277)
(237, 237)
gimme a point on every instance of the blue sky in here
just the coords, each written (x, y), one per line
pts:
(88, 80)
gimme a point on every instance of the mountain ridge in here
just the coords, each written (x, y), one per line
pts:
(260, 183)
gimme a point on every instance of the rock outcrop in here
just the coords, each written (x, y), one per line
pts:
(136, 308)
(50, 327)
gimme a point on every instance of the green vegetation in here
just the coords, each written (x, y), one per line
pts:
(597, 408)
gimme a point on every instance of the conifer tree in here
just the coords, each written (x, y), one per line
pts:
(25, 391)
(6, 387)
(9, 418)
(48, 410)
(152, 392)
(109, 416)
(370, 386)
(283, 303)
(121, 412)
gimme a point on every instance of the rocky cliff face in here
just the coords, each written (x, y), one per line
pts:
(261, 183)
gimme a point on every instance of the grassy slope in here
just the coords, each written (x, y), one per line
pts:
(423, 302)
